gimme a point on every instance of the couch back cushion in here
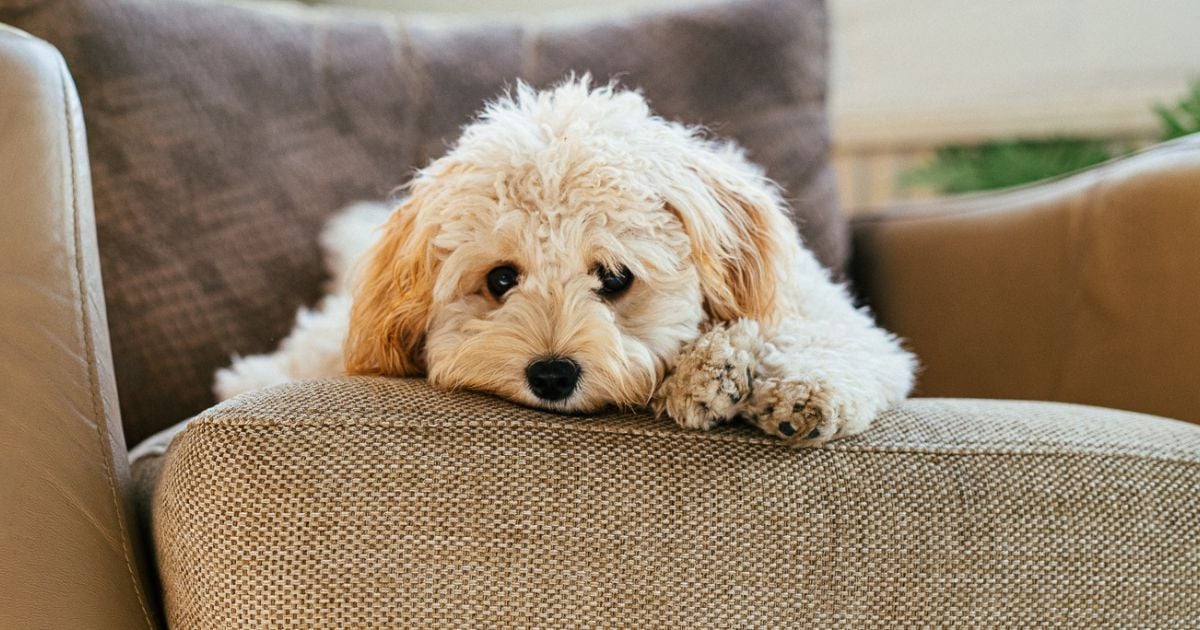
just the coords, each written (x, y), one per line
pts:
(221, 136)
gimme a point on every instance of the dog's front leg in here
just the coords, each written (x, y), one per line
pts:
(807, 380)
(712, 378)
(818, 379)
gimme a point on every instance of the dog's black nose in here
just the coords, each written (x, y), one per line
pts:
(553, 378)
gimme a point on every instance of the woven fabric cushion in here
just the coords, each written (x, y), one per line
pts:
(380, 503)
(221, 136)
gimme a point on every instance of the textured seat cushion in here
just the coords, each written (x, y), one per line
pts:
(380, 503)
(221, 136)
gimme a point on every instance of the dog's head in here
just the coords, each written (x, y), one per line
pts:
(563, 252)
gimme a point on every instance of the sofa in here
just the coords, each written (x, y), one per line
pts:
(165, 168)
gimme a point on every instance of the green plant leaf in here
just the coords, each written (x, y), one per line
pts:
(1005, 163)
(1182, 118)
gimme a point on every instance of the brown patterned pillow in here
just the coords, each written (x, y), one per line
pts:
(221, 136)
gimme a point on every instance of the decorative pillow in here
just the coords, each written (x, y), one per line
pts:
(222, 135)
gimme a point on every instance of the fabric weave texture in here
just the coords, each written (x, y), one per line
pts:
(372, 502)
(222, 135)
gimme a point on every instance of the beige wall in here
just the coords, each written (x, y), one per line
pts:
(910, 76)
(953, 70)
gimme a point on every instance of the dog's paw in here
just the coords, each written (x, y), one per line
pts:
(801, 413)
(712, 379)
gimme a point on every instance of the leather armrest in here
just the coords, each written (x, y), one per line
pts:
(67, 553)
(383, 503)
(1086, 289)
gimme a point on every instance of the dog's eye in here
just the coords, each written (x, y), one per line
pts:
(613, 283)
(501, 279)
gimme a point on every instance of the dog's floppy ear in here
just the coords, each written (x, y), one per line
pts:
(393, 293)
(735, 220)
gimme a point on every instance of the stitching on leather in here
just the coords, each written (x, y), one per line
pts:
(90, 350)
(1078, 248)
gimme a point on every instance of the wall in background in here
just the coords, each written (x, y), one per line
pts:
(911, 76)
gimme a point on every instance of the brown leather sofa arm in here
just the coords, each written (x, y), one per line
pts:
(67, 558)
(1086, 289)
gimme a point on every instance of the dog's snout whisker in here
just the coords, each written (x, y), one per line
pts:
(552, 378)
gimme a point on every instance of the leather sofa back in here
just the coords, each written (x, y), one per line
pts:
(67, 552)
(1082, 290)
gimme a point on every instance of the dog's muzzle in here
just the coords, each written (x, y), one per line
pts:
(553, 378)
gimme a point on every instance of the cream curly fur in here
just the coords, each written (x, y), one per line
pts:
(727, 316)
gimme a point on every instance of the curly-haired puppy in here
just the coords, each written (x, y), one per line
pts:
(575, 252)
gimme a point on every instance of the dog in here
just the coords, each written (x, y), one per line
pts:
(575, 252)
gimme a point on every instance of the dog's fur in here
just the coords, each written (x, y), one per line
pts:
(728, 314)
